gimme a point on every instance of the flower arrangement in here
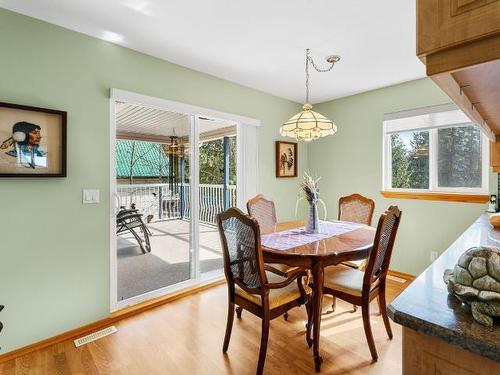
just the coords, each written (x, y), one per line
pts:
(309, 189)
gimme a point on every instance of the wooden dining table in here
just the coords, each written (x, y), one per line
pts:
(351, 245)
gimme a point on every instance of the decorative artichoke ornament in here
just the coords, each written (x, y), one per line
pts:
(475, 281)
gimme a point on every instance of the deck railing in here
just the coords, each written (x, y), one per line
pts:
(163, 201)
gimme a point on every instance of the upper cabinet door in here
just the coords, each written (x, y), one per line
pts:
(446, 23)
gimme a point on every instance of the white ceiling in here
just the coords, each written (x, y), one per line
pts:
(257, 43)
(134, 119)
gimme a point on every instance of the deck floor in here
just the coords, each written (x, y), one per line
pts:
(168, 263)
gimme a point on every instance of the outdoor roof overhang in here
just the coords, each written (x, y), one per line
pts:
(229, 131)
(134, 122)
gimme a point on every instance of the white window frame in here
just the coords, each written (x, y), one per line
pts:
(431, 119)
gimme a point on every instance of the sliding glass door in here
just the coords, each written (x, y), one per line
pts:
(154, 231)
(173, 173)
(217, 150)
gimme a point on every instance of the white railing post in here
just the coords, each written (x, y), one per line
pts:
(159, 201)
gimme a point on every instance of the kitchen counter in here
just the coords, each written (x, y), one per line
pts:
(426, 308)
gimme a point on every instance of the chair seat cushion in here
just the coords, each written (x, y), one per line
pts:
(345, 279)
(277, 297)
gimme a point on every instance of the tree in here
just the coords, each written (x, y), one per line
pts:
(400, 164)
(141, 159)
(419, 160)
(459, 159)
(151, 160)
(212, 162)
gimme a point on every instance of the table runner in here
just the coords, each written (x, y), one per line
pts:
(298, 236)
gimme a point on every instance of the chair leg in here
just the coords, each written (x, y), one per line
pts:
(383, 310)
(239, 310)
(354, 308)
(285, 315)
(263, 343)
(309, 311)
(365, 310)
(229, 326)
(334, 303)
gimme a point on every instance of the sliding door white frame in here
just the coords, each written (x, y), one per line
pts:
(194, 171)
(246, 185)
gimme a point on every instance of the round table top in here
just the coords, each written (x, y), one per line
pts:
(353, 245)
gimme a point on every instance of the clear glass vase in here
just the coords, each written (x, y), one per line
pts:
(313, 218)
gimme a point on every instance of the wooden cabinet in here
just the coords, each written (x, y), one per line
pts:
(495, 155)
(445, 23)
(459, 41)
(426, 355)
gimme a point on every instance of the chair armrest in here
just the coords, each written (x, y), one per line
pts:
(293, 276)
(270, 268)
(129, 216)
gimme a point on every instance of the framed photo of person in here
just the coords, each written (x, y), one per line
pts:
(286, 159)
(32, 141)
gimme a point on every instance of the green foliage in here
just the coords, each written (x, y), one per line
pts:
(459, 158)
(419, 160)
(136, 159)
(410, 165)
(400, 165)
(212, 162)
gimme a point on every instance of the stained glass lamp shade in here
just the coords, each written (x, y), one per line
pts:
(308, 125)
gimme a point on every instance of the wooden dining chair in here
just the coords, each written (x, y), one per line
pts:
(262, 293)
(356, 209)
(360, 288)
(264, 211)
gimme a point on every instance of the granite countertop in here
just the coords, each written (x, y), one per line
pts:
(426, 307)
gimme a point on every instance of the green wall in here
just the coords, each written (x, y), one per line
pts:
(351, 161)
(54, 265)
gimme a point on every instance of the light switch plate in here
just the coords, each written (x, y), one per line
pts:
(90, 196)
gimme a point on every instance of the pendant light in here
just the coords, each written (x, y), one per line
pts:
(309, 125)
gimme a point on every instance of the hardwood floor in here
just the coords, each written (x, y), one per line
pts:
(185, 337)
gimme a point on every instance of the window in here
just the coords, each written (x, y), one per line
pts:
(410, 160)
(434, 149)
(459, 161)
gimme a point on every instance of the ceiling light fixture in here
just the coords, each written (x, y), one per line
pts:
(309, 125)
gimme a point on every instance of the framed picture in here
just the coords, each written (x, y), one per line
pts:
(286, 159)
(32, 141)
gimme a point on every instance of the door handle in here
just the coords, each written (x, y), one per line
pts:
(118, 202)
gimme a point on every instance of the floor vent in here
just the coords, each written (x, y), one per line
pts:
(95, 336)
(397, 279)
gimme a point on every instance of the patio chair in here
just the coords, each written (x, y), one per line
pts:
(262, 293)
(130, 220)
